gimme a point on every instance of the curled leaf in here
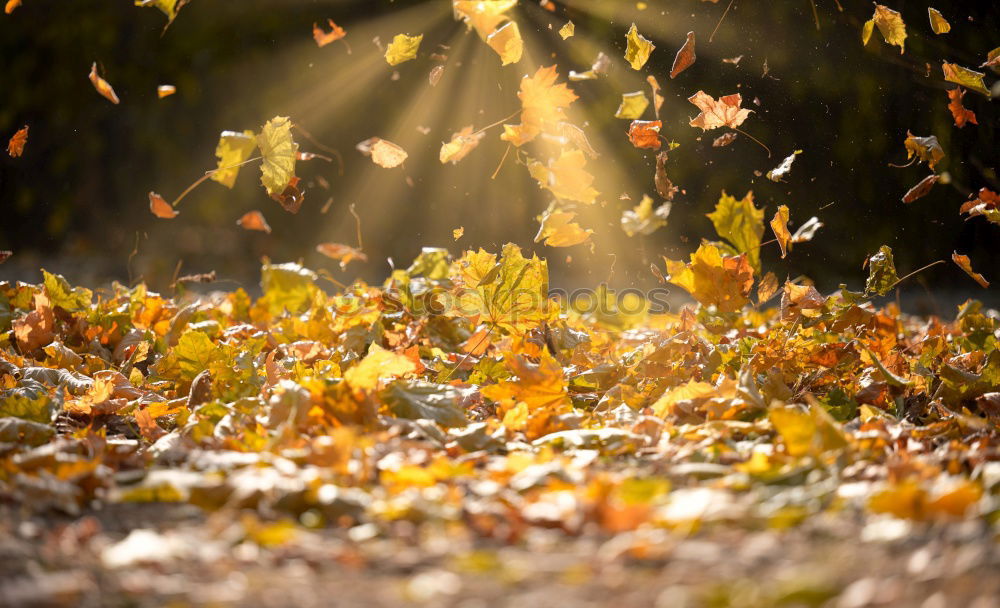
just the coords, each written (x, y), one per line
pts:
(638, 48)
(402, 48)
(323, 38)
(961, 115)
(685, 57)
(939, 24)
(889, 23)
(927, 149)
(507, 43)
(779, 224)
(922, 188)
(15, 147)
(969, 79)
(882, 275)
(102, 86)
(778, 173)
(963, 262)
(645, 134)
(165, 90)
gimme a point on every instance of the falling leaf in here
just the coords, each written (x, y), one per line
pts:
(279, 151)
(927, 149)
(345, 254)
(15, 147)
(657, 97)
(685, 57)
(807, 231)
(939, 24)
(733, 60)
(958, 111)
(714, 279)
(922, 188)
(600, 67)
(484, 17)
(644, 219)
(741, 224)
(323, 38)
(985, 203)
(542, 106)
(992, 60)
(882, 275)
(434, 76)
(779, 173)
(566, 177)
(232, 150)
(165, 90)
(387, 155)
(461, 144)
(402, 48)
(767, 288)
(963, 262)
(779, 224)
(507, 43)
(725, 139)
(557, 229)
(638, 48)
(725, 112)
(254, 220)
(889, 23)
(457, 233)
(567, 30)
(291, 198)
(969, 79)
(633, 105)
(102, 86)
(11, 5)
(645, 134)
(5, 255)
(170, 8)
(510, 293)
(664, 187)
(161, 208)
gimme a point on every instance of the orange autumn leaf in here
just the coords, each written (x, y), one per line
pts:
(324, 38)
(11, 5)
(102, 86)
(345, 254)
(542, 106)
(779, 224)
(254, 220)
(161, 208)
(15, 147)
(958, 110)
(726, 112)
(963, 262)
(645, 134)
(685, 57)
(165, 90)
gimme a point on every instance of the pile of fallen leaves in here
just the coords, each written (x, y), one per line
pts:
(459, 392)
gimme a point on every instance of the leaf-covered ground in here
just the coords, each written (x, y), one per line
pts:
(199, 448)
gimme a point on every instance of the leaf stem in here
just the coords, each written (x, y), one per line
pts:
(759, 143)
(918, 270)
(207, 175)
(726, 12)
(505, 153)
(467, 354)
(499, 122)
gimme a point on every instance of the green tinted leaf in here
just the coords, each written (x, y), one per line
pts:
(740, 223)
(417, 399)
(61, 294)
(233, 148)
(881, 272)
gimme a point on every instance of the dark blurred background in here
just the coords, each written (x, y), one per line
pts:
(76, 202)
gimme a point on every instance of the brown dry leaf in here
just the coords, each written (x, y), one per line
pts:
(664, 187)
(963, 262)
(37, 328)
(254, 220)
(387, 154)
(958, 111)
(657, 97)
(102, 86)
(685, 57)
(645, 134)
(345, 254)
(725, 139)
(323, 38)
(15, 147)
(161, 208)
(922, 188)
(726, 112)
(779, 224)
(767, 288)
(291, 198)
(927, 149)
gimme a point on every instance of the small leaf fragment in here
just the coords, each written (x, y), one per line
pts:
(567, 30)
(345, 254)
(963, 262)
(165, 90)
(254, 220)
(387, 155)
(160, 207)
(15, 147)
(685, 57)
(778, 173)
(644, 219)
(403, 48)
(324, 38)
(638, 48)
(557, 228)
(102, 86)
(461, 144)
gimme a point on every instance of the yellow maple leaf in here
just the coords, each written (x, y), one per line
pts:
(566, 177)
(402, 48)
(741, 224)
(713, 278)
(889, 23)
(510, 293)
(279, 152)
(379, 363)
(507, 43)
(542, 102)
(233, 148)
(558, 229)
(726, 112)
